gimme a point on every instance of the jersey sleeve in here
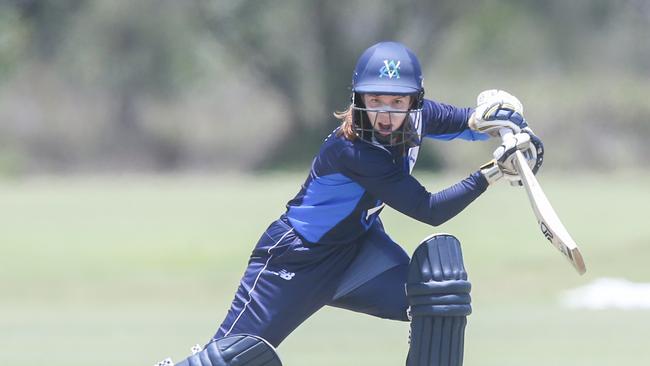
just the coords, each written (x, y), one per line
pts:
(446, 122)
(375, 171)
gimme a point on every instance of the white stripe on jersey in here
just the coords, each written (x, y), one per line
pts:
(416, 117)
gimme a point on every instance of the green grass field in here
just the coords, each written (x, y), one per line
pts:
(127, 271)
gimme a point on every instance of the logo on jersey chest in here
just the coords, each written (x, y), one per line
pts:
(390, 69)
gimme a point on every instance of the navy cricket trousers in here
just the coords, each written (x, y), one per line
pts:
(287, 280)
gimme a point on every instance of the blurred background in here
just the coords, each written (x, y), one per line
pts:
(136, 136)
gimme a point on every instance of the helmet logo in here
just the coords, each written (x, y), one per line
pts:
(390, 69)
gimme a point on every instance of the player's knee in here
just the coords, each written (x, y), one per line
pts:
(437, 283)
(235, 350)
(437, 289)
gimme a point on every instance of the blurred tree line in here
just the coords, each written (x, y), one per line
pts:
(213, 85)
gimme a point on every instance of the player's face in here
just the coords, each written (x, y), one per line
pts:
(384, 121)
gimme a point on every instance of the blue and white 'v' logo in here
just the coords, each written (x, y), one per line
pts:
(390, 69)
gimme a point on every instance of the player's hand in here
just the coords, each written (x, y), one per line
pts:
(497, 109)
(535, 152)
(491, 171)
(503, 164)
(504, 155)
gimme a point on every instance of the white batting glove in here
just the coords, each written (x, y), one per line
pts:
(505, 154)
(491, 171)
(503, 164)
(497, 109)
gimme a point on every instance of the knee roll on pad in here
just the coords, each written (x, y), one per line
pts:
(235, 350)
(438, 295)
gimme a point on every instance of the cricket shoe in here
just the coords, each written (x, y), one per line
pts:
(168, 361)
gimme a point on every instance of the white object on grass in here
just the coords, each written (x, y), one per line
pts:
(608, 293)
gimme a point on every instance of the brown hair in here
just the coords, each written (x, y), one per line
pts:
(347, 125)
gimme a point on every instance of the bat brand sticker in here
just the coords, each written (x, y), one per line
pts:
(545, 230)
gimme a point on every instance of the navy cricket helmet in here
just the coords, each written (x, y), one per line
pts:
(387, 68)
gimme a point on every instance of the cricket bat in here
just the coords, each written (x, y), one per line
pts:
(549, 222)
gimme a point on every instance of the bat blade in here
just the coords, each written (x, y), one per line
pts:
(548, 220)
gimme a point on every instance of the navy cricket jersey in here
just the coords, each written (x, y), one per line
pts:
(350, 181)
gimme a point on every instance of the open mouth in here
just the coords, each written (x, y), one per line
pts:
(384, 128)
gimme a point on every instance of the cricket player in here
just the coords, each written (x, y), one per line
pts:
(330, 247)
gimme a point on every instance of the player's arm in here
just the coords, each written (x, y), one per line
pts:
(447, 122)
(374, 171)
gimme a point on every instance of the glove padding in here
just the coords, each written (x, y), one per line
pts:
(497, 109)
(535, 152)
(503, 163)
